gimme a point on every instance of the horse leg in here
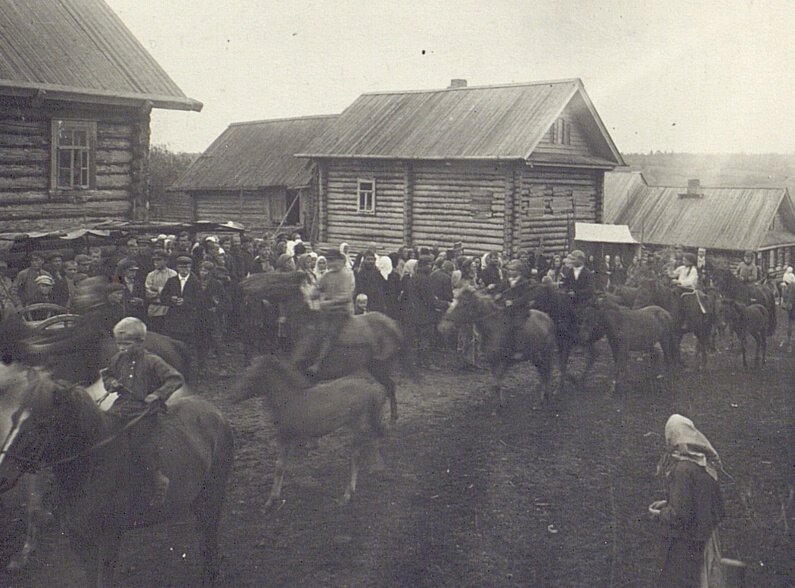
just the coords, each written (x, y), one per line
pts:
(356, 455)
(590, 351)
(499, 372)
(38, 517)
(207, 508)
(86, 549)
(563, 366)
(380, 371)
(742, 347)
(278, 475)
(620, 359)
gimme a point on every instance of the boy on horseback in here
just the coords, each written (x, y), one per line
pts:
(515, 296)
(143, 382)
(335, 290)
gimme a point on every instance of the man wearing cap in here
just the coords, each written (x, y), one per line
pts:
(9, 298)
(335, 291)
(143, 382)
(26, 279)
(43, 295)
(60, 291)
(182, 294)
(515, 296)
(83, 264)
(577, 279)
(154, 283)
(134, 293)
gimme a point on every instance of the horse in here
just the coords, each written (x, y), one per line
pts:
(561, 309)
(303, 410)
(56, 425)
(533, 341)
(761, 293)
(371, 341)
(691, 312)
(630, 330)
(623, 295)
(748, 320)
(75, 354)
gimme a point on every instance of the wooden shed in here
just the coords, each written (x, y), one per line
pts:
(498, 167)
(726, 221)
(76, 92)
(250, 174)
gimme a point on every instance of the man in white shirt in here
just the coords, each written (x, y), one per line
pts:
(154, 283)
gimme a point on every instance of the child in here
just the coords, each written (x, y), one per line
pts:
(361, 304)
(142, 380)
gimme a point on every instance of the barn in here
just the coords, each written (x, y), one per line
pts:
(504, 167)
(249, 175)
(76, 92)
(726, 221)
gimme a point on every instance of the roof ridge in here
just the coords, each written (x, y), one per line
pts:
(703, 187)
(486, 87)
(285, 119)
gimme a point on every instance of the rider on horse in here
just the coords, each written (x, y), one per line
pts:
(515, 296)
(747, 270)
(143, 382)
(577, 279)
(335, 291)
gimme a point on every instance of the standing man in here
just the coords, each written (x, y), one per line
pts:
(369, 281)
(182, 294)
(153, 285)
(26, 279)
(577, 280)
(747, 270)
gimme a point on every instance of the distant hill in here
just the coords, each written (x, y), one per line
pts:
(737, 169)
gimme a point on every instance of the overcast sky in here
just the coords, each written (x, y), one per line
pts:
(697, 76)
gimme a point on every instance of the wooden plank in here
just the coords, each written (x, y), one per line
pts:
(113, 181)
(25, 183)
(113, 157)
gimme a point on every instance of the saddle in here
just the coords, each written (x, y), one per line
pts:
(698, 295)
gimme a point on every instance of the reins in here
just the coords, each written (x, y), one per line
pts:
(98, 445)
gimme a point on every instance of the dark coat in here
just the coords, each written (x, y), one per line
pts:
(418, 304)
(132, 308)
(180, 320)
(369, 281)
(491, 275)
(580, 289)
(442, 285)
(393, 289)
(695, 505)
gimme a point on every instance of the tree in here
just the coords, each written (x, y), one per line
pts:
(165, 167)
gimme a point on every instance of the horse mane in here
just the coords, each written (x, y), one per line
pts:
(266, 376)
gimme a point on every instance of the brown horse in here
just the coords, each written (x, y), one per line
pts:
(630, 330)
(58, 426)
(756, 293)
(371, 341)
(504, 343)
(302, 410)
(748, 320)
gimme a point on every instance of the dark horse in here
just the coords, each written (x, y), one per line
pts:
(533, 341)
(74, 354)
(57, 425)
(303, 410)
(564, 314)
(630, 330)
(371, 341)
(765, 294)
(691, 312)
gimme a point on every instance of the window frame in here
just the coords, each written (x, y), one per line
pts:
(561, 132)
(90, 128)
(360, 192)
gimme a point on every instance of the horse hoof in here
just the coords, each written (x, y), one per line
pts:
(346, 498)
(271, 504)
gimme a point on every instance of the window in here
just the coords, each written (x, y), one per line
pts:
(365, 196)
(73, 165)
(561, 132)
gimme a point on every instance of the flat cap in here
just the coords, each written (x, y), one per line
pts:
(126, 264)
(184, 260)
(45, 279)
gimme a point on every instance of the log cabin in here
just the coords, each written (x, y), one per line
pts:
(76, 92)
(726, 221)
(250, 175)
(505, 167)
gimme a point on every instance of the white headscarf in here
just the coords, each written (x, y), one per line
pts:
(789, 277)
(686, 443)
(410, 267)
(384, 265)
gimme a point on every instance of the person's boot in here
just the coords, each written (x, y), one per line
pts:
(161, 484)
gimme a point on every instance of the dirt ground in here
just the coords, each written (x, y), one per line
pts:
(552, 497)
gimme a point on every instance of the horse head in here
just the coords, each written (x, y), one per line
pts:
(468, 306)
(270, 377)
(592, 320)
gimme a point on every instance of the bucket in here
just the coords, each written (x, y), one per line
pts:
(733, 572)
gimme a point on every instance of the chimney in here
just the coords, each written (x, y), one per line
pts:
(457, 83)
(693, 189)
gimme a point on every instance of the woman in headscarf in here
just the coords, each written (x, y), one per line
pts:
(690, 515)
(321, 266)
(344, 248)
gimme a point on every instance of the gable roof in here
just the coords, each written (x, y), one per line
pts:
(487, 122)
(79, 50)
(257, 154)
(721, 218)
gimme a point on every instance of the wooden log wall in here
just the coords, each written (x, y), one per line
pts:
(552, 199)
(26, 201)
(444, 202)
(344, 223)
(322, 201)
(173, 207)
(258, 210)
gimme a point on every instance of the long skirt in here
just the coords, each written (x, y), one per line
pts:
(691, 564)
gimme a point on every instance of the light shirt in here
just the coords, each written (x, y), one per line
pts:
(154, 283)
(686, 277)
(182, 282)
(576, 271)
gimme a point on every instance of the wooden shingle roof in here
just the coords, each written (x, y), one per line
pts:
(728, 218)
(79, 50)
(488, 122)
(253, 155)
